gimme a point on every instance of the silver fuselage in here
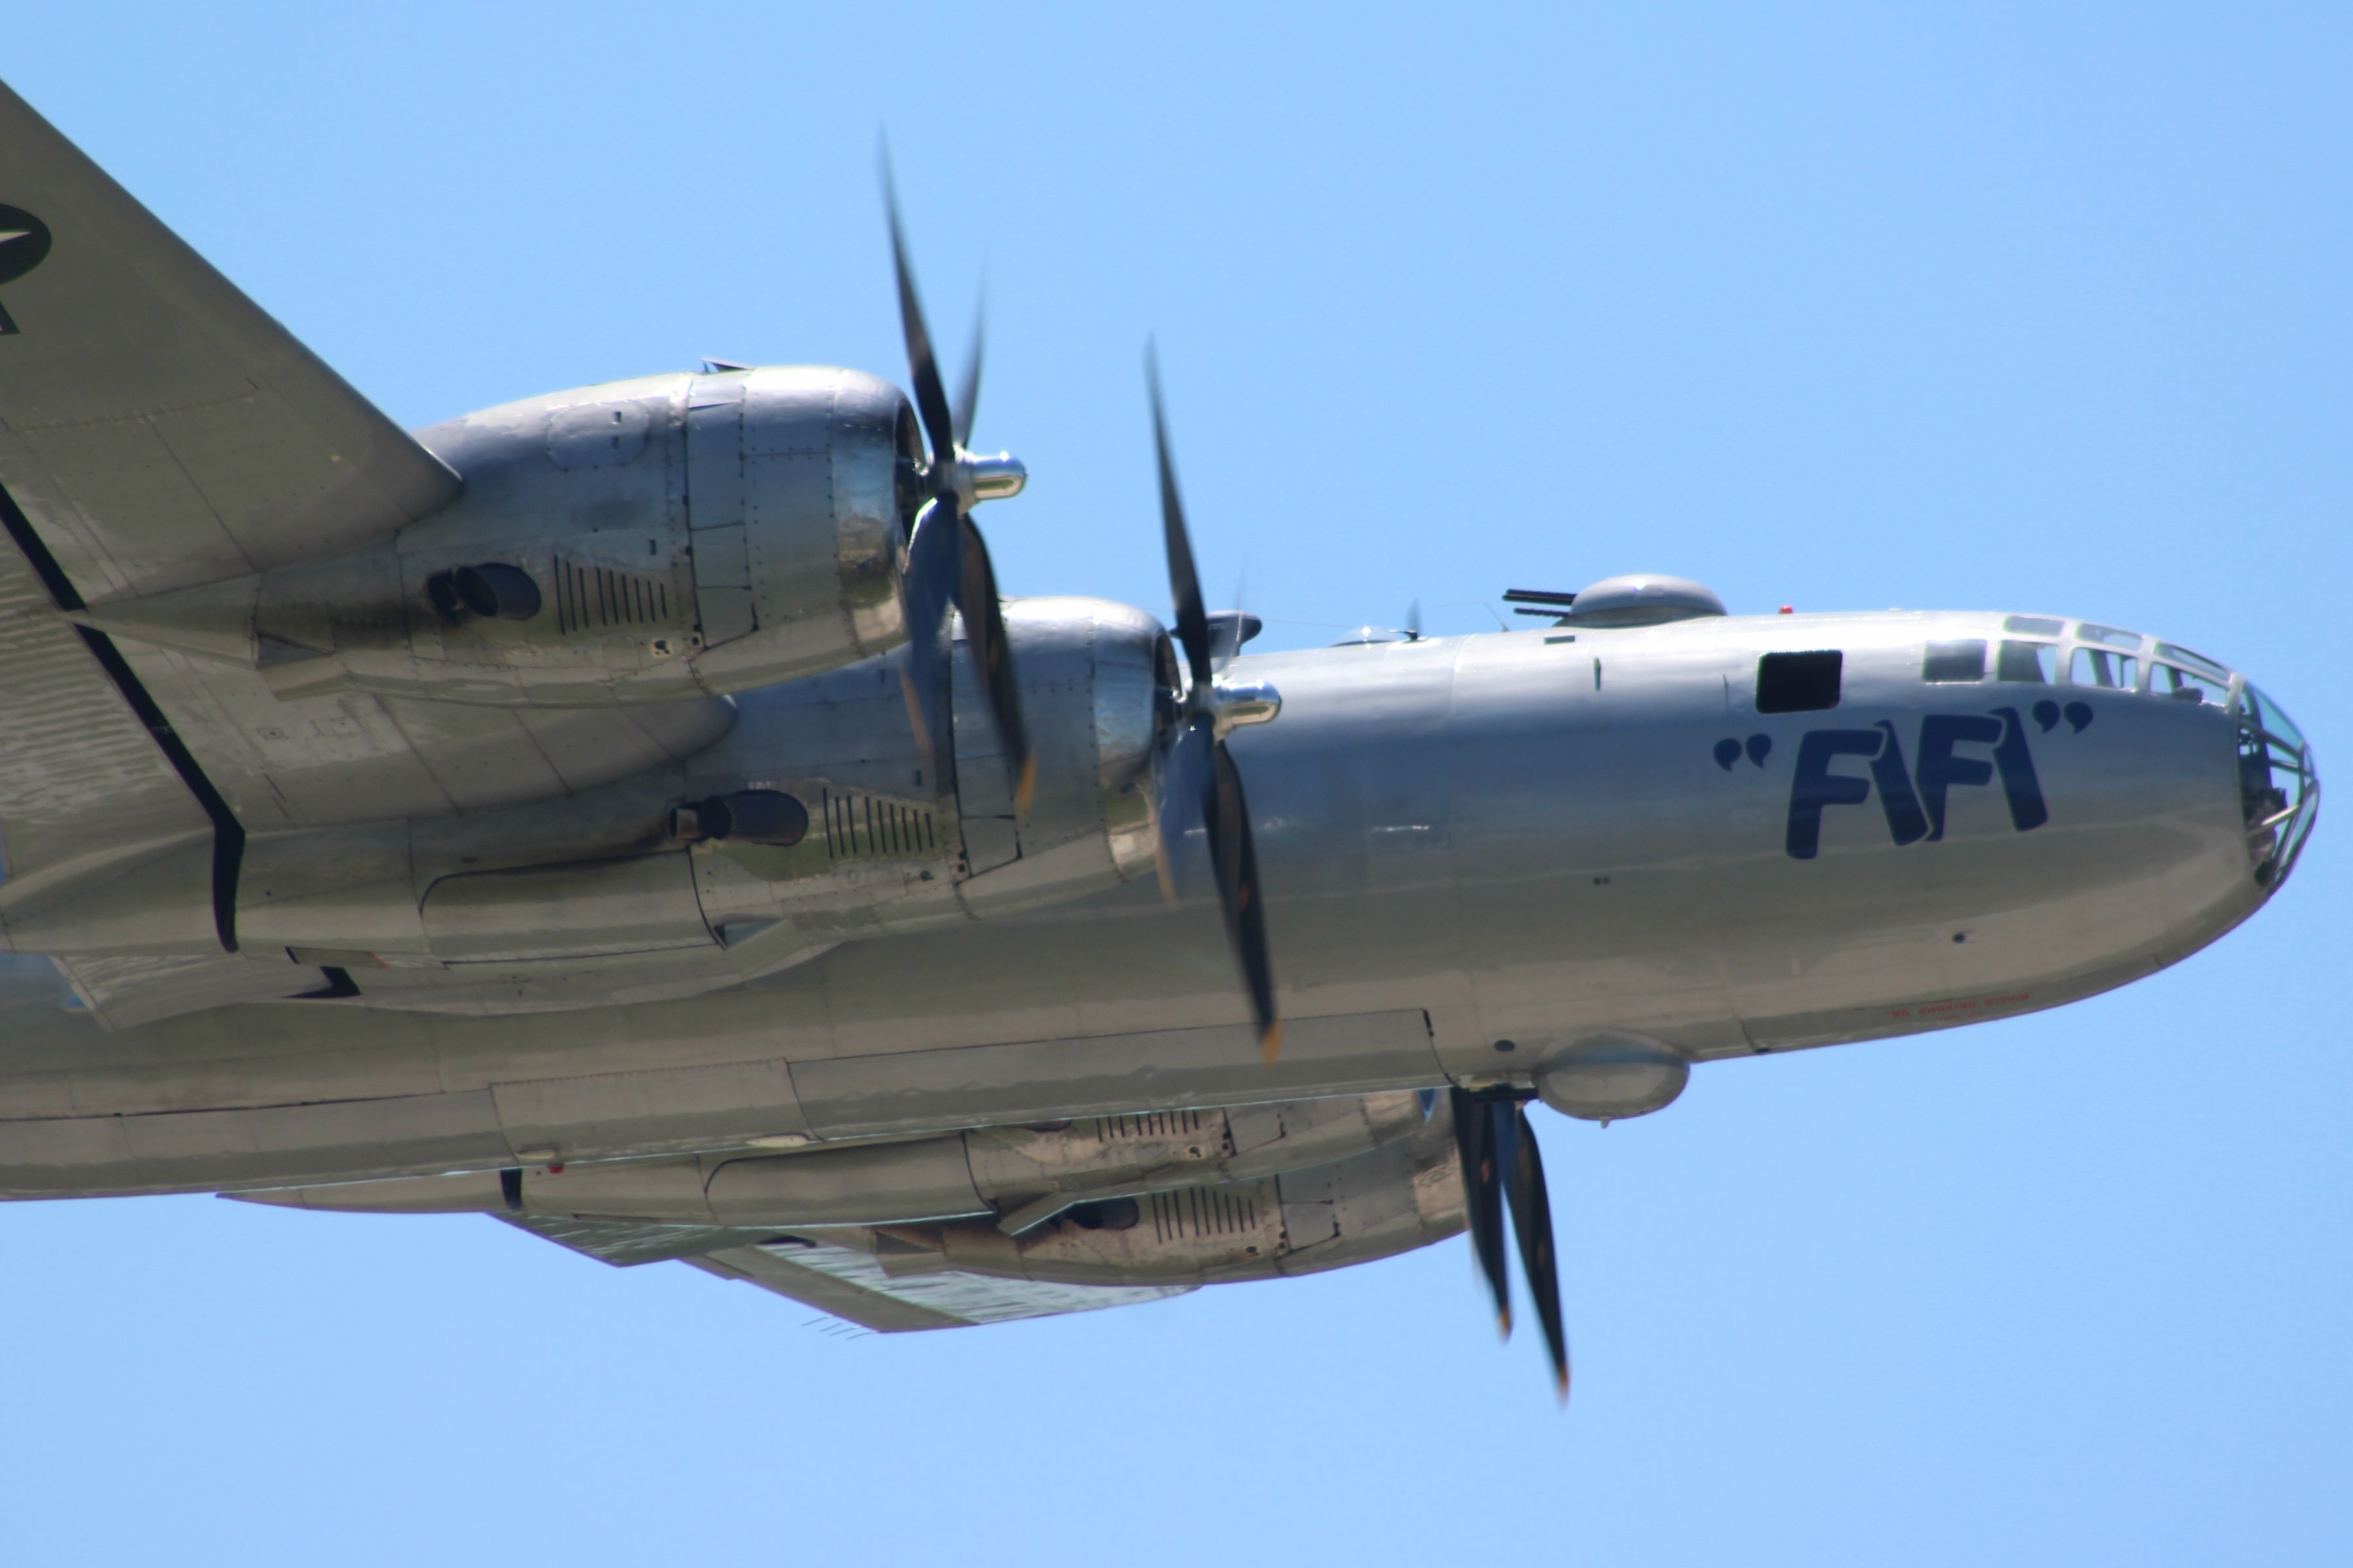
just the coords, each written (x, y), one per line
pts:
(1478, 852)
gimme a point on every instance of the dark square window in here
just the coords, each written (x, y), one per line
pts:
(1950, 663)
(1799, 682)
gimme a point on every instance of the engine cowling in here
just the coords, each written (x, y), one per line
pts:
(1091, 674)
(1095, 678)
(1400, 1195)
(813, 820)
(997, 1171)
(645, 540)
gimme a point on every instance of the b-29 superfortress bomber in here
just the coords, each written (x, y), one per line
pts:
(634, 814)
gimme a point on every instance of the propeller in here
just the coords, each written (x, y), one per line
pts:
(1502, 1166)
(948, 562)
(1198, 781)
(967, 400)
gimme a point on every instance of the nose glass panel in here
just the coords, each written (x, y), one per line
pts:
(2278, 788)
(2277, 784)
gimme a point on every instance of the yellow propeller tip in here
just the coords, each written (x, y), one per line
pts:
(1564, 1391)
(1027, 787)
(1269, 1044)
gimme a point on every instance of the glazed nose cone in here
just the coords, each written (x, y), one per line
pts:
(2279, 787)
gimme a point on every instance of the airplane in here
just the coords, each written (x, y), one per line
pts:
(634, 814)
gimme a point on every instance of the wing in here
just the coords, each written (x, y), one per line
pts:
(124, 991)
(841, 1281)
(158, 430)
(81, 775)
(91, 777)
(156, 427)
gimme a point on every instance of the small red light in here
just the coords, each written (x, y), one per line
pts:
(1788, 610)
(556, 1170)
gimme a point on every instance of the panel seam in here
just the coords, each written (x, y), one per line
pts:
(228, 833)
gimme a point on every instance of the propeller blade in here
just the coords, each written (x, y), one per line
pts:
(992, 653)
(1223, 809)
(954, 568)
(929, 583)
(1177, 804)
(1532, 1220)
(1483, 1196)
(1236, 859)
(968, 398)
(1184, 585)
(931, 397)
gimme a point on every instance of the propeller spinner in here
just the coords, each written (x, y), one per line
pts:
(948, 562)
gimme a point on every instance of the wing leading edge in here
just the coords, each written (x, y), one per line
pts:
(159, 430)
(156, 427)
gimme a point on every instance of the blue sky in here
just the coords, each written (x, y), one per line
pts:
(2039, 307)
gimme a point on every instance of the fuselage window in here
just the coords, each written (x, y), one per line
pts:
(1799, 682)
(2033, 625)
(1954, 663)
(2098, 666)
(2035, 662)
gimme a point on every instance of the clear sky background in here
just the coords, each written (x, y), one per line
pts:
(2039, 307)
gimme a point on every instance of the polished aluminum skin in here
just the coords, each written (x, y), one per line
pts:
(1549, 844)
(696, 535)
(634, 813)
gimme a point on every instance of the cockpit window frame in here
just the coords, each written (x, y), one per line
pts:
(2271, 750)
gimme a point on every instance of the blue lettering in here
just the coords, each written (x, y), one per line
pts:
(2026, 811)
(1940, 769)
(1817, 786)
(1905, 824)
(1914, 810)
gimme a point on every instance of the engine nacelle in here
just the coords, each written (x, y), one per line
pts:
(1024, 1177)
(1094, 680)
(813, 820)
(1401, 1196)
(673, 536)
(1090, 674)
